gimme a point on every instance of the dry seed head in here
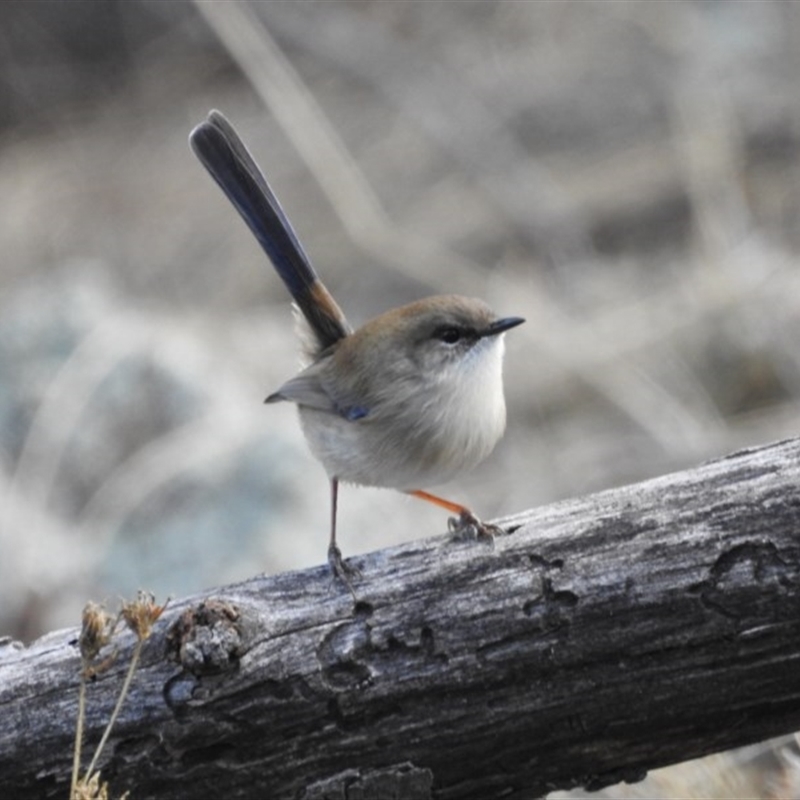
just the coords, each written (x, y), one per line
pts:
(141, 614)
(97, 627)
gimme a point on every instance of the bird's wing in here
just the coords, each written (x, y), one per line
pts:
(309, 389)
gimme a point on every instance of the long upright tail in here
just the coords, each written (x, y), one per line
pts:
(221, 151)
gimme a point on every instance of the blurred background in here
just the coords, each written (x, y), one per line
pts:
(622, 174)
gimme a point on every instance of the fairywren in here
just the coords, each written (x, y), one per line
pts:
(410, 399)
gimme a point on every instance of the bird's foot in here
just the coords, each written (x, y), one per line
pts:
(467, 526)
(342, 570)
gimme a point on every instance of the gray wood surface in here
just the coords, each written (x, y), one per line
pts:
(600, 638)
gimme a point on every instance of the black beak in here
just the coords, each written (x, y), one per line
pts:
(502, 325)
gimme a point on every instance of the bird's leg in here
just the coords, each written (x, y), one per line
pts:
(466, 524)
(340, 568)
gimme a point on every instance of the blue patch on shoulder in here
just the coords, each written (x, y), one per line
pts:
(354, 413)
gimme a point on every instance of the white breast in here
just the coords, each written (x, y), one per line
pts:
(451, 423)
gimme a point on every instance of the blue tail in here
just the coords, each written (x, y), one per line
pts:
(223, 154)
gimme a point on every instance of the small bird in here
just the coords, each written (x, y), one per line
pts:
(410, 399)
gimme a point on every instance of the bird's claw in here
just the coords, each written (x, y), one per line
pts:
(342, 570)
(468, 526)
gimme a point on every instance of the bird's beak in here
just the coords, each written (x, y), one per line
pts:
(502, 325)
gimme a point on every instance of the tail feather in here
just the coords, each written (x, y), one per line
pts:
(224, 155)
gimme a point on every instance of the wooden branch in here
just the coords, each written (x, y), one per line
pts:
(600, 638)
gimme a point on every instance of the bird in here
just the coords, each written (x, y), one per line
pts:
(410, 399)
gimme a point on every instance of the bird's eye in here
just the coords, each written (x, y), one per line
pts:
(448, 335)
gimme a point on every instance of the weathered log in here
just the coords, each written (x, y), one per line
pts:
(600, 638)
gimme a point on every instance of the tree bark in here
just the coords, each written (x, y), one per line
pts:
(599, 638)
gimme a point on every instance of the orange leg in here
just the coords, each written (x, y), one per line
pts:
(466, 521)
(455, 508)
